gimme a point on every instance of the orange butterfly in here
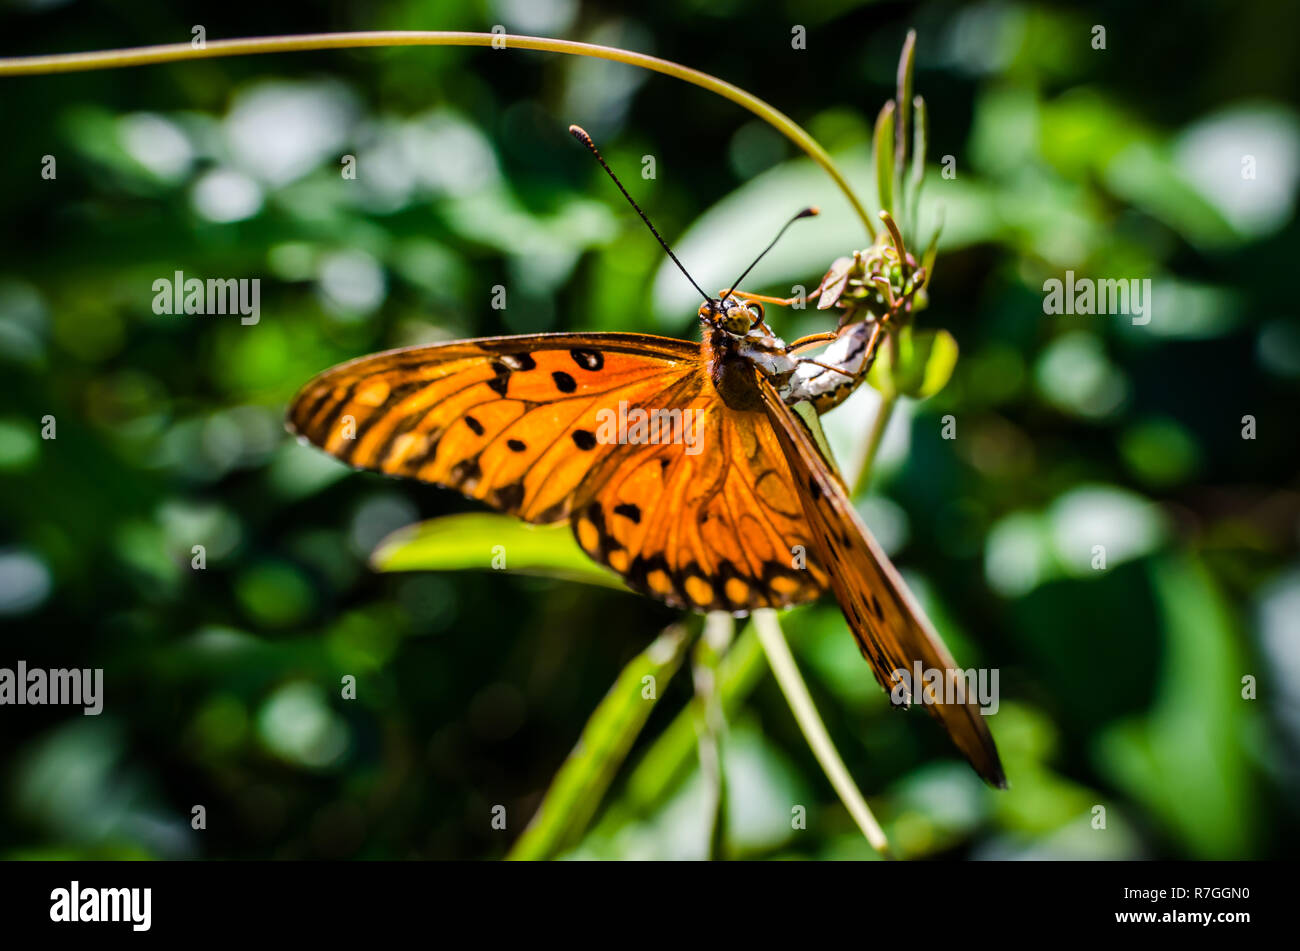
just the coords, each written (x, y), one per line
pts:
(754, 517)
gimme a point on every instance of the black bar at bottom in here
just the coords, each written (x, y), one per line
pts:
(563, 901)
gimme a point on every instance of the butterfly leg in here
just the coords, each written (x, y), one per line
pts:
(839, 370)
(812, 340)
(778, 301)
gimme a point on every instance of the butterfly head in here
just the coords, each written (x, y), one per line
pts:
(734, 316)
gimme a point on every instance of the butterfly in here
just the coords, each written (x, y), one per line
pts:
(756, 517)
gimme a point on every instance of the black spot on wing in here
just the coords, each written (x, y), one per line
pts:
(516, 445)
(475, 425)
(584, 439)
(466, 472)
(563, 382)
(608, 543)
(588, 359)
(519, 361)
(629, 511)
(510, 496)
(501, 381)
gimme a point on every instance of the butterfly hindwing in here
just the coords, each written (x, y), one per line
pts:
(891, 630)
(710, 525)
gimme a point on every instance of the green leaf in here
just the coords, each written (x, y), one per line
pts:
(917, 364)
(920, 143)
(663, 766)
(485, 540)
(903, 99)
(582, 781)
(1186, 759)
(883, 145)
(940, 349)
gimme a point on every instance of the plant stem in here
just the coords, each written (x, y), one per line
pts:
(663, 765)
(814, 730)
(580, 784)
(710, 724)
(878, 427)
(175, 52)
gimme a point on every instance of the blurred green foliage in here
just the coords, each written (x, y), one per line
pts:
(1120, 687)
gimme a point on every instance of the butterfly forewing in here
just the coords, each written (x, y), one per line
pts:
(707, 520)
(891, 630)
(509, 420)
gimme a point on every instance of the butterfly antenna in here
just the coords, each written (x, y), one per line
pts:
(806, 213)
(581, 135)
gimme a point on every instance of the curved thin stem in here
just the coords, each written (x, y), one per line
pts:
(711, 724)
(814, 730)
(862, 480)
(176, 52)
